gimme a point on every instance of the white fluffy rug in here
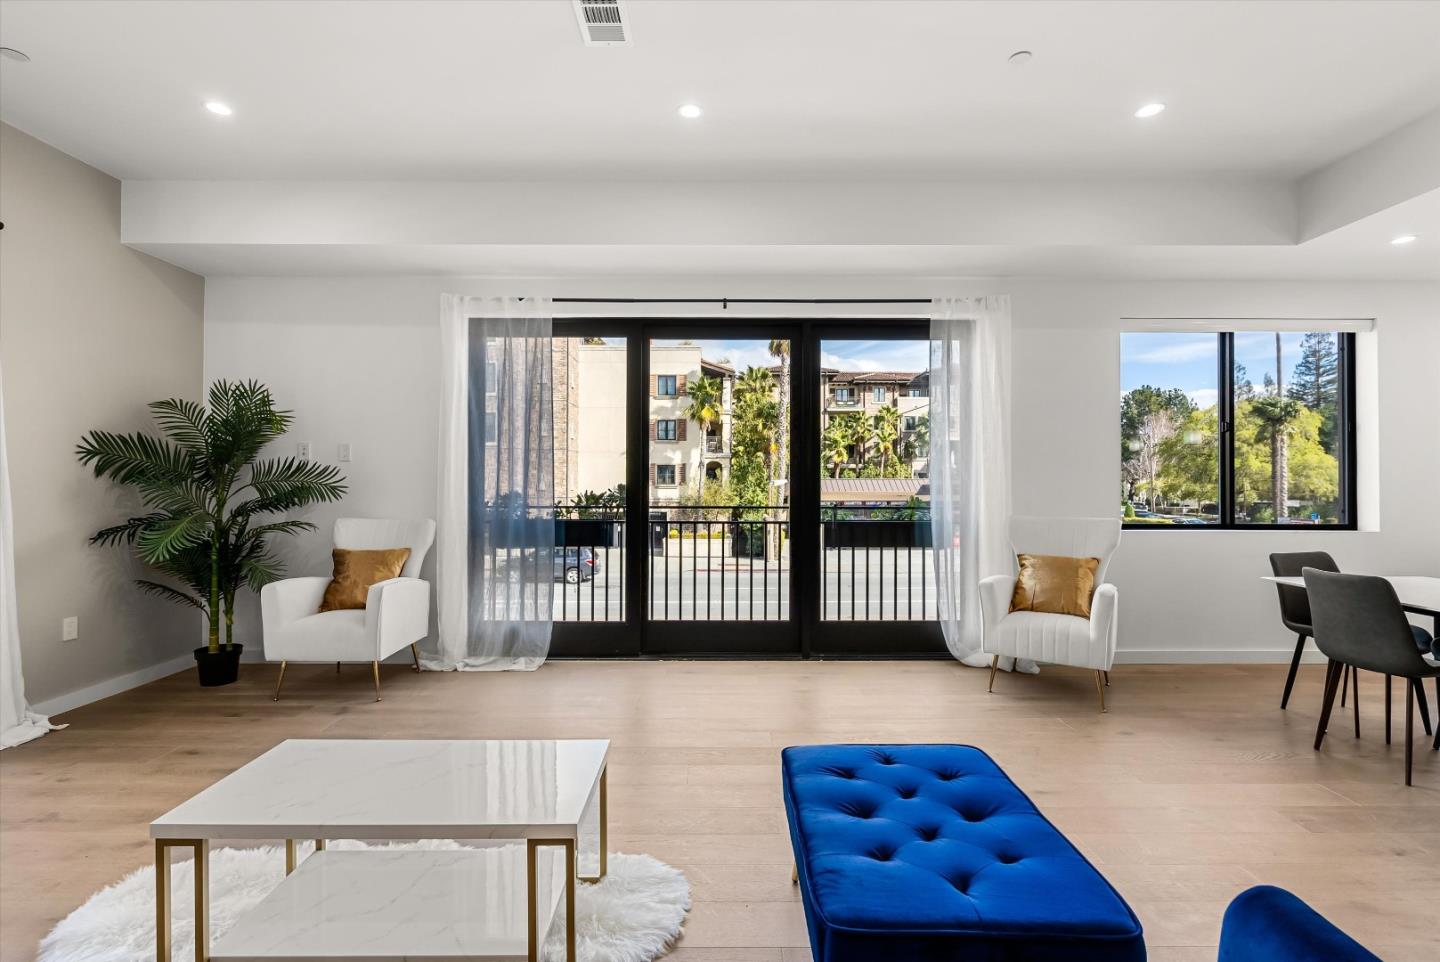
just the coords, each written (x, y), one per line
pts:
(634, 914)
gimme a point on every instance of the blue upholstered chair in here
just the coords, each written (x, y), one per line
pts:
(1268, 924)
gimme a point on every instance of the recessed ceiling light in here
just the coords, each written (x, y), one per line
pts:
(216, 107)
(12, 54)
(1021, 56)
(1150, 110)
(690, 111)
(1404, 239)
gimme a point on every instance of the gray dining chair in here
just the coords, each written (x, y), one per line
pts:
(1358, 621)
(1295, 605)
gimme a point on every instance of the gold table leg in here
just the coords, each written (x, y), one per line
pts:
(604, 831)
(535, 936)
(163, 940)
(289, 855)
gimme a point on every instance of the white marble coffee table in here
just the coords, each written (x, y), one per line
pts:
(399, 905)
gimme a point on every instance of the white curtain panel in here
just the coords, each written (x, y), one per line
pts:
(496, 537)
(970, 458)
(18, 724)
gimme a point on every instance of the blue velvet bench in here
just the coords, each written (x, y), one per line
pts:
(924, 853)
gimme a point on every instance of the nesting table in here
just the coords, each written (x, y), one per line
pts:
(488, 900)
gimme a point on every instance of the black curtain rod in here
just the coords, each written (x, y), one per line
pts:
(725, 302)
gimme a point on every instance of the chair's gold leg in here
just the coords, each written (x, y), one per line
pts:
(994, 665)
(278, 682)
(1100, 687)
(794, 874)
(375, 667)
(1107, 678)
(415, 656)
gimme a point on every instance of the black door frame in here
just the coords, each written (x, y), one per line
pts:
(805, 635)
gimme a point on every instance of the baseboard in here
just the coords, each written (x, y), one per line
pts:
(1216, 656)
(81, 697)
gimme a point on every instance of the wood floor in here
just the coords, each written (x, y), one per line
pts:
(1193, 787)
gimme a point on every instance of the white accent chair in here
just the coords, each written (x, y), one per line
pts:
(1041, 636)
(396, 613)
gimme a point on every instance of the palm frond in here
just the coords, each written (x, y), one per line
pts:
(183, 422)
(291, 483)
(133, 458)
(170, 594)
(127, 530)
(164, 539)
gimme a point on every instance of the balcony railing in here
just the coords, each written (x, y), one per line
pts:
(719, 563)
(877, 564)
(714, 445)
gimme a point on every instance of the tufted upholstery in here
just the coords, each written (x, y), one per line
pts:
(929, 852)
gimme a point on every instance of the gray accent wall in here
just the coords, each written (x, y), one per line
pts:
(90, 331)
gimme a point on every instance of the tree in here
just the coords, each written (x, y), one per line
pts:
(707, 395)
(1244, 390)
(1275, 412)
(918, 444)
(887, 433)
(593, 341)
(752, 430)
(1148, 415)
(835, 446)
(1317, 382)
(1312, 473)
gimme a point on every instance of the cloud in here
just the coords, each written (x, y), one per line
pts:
(1203, 397)
(848, 363)
(1178, 352)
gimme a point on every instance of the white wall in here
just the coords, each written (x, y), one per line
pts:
(356, 359)
(90, 331)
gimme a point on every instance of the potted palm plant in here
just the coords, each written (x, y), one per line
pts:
(208, 496)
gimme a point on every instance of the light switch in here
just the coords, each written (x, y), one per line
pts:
(70, 628)
(345, 452)
(302, 450)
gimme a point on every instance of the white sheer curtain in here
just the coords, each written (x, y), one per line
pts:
(496, 533)
(969, 459)
(18, 724)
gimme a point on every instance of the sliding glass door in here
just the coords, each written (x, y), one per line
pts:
(754, 489)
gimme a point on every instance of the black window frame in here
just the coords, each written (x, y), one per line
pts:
(674, 382)
(667, 429)
(1225, 410)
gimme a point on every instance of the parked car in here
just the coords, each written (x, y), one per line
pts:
(570, 565)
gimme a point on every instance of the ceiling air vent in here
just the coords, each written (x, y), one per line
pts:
(602, 22)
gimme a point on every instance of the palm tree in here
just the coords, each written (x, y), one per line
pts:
(835, 446)
(887, 432)
(205, 488)
(707, 396)
(920, 437)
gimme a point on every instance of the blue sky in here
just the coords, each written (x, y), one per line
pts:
(845, 355)
(1187, 361)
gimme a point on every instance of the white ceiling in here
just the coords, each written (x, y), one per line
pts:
(865, 88)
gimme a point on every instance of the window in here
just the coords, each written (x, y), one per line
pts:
(1246, 429)
(665, 475)
(844, 395)
(665, 430)
(877, 395)
(491, 427)
(666, 385)
(910, 423)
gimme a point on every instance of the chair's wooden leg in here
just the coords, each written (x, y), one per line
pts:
(1332, 683)
(278, 682)
(1100, 687)
(1410, 685)
(375, 667)
(1107, 678)
(1435, 747)
(994, 665)
(337, 667)
(1388, 680)
(415, 656)
(1344, 685)
(1294, 667)
(1355, 696)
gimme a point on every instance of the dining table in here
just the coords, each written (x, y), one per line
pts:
(1417, 594)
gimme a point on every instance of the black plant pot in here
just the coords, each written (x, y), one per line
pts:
(221, 668)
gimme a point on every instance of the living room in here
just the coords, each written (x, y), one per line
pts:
(577, 457)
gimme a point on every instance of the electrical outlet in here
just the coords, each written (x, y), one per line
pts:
(302, 450)
(70, 628)
(345, 452)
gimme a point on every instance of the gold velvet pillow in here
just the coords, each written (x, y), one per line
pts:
(356, 571)
(1055, 584)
